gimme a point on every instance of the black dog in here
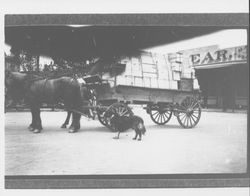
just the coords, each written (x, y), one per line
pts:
(123, 123)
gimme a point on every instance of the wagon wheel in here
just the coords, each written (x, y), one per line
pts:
(120, 108)
(159, 115)
(116, 108)
(101, 118)
(189, 112)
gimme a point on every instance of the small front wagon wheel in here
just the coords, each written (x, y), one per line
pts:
(159, 115)
(101, 118)
(116, 108)
(189, 112)
(120, 109)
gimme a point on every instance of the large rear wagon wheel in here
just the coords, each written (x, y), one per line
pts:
(159, 115)
(189, 112)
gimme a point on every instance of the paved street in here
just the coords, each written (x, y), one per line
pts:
(217, 145)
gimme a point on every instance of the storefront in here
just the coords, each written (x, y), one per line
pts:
(222, 74)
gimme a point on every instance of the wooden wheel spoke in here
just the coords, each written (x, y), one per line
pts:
(187, 121)
(120, 109)
(156, 117)
(194, 103)
(183, 107)
(182, 113)
(160, 115)
(166, 115)
(123, 111)
(127, 113)
(194, 120)
(155, 113)
(161, 118)
(190, 121)
(193, 116)
(196, 115)
(183, 117)
(196, 109)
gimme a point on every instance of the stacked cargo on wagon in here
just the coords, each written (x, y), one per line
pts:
(160, 82)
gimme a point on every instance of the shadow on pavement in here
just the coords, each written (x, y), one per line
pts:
(159, 127)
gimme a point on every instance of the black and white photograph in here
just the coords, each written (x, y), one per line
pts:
(119, 101)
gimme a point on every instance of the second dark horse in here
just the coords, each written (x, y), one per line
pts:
(36, 91)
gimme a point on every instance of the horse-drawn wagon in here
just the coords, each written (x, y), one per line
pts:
(114, 94)
(161, 83)
(160, 104)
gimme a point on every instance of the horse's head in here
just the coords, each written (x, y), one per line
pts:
(14, 84)
(8, 78)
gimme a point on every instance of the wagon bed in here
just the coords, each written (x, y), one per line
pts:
(141, 95)
(160, 103)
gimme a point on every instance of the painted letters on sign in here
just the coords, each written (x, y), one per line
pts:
(220, 56)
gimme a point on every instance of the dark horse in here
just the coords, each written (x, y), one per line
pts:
(36, 90)
(88, 95)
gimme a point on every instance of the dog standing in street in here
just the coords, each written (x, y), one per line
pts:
(123, 123)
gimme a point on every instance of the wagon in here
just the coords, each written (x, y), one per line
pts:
(160, 104)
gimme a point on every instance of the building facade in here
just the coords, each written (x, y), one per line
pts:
(222, 74)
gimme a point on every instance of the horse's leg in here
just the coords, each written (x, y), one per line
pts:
(71, 127)
(32, 125)
(72, 121)
(38, 122)
(64, 125)
(75, 123)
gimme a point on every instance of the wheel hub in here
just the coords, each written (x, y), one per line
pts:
(190, 111)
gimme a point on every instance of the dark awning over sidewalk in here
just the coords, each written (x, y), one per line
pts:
(83, 42)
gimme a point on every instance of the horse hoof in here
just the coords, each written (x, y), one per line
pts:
(72, 131)
(64, 126)
(31, 129)
(36, 131)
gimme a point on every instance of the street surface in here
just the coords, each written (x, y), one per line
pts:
(218, 144)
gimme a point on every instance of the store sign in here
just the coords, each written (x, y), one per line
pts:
(220, 56)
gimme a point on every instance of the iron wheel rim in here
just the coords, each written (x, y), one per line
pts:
(160, 117)
(190, 113)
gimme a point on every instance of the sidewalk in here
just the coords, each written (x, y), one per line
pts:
(220, 110)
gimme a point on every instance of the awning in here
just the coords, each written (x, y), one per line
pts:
(86, 42)
(220, 65)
